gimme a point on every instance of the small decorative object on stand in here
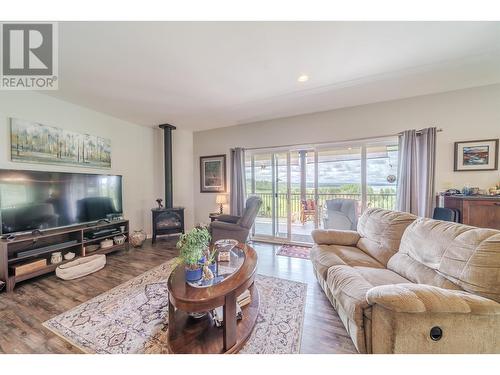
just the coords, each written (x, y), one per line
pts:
(467, 190)
(209, 264)
(91, 248)
(107, 243)
(223, 248)
(224, 256)
(56, 258)
(160, 202)
(137, 238)
(119, 240)
(494, 190)
(207, 273)
(225, 245)
(69, 256)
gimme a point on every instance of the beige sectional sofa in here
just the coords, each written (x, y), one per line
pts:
(403, 284)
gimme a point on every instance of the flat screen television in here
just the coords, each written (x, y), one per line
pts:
(32, 200)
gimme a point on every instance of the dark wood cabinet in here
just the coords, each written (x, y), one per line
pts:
(478, 211)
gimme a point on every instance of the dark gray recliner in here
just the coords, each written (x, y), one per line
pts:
(236, 227)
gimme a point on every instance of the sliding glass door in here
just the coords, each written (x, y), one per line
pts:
(261, 183)
(303, 196)
(267, 176)
(282, 194)
(322, 186)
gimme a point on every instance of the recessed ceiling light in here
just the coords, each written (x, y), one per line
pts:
(303, 78)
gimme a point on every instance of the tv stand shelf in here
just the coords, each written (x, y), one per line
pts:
(100, 238)
(70, 239)
(48, 251)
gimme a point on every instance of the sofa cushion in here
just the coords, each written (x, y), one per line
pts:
(465, 256)
(325, 256)
(418, 273)
(349, 287)
(381, 232)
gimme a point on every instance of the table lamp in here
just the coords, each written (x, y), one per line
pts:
(221, 200)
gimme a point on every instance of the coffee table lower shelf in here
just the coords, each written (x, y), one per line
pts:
(202, 336)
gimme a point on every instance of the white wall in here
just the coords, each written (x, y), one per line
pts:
(137, 152)
(183, 173)
(463, 115)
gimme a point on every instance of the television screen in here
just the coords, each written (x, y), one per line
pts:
(32, 200)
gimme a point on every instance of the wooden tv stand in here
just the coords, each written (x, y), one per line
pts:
(40, 246)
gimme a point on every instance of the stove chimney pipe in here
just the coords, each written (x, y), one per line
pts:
(167, 149)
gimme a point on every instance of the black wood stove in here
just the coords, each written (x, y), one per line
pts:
(168, 219)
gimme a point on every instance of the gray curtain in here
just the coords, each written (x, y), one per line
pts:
(238, 189)
(416, 171)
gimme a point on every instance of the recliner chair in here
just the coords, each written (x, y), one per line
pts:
(236, 227)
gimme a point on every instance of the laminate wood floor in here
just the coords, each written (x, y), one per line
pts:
(35, 301)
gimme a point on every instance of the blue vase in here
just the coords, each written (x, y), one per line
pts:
(192, 275)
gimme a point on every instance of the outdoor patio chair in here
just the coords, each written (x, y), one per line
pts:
(307, 210)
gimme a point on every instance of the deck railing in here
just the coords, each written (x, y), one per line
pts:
(386, 201)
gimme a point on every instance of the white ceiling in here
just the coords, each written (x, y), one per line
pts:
(202, 75)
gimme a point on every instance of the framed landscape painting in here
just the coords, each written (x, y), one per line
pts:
(213, 174)
(31, 142)
(476, 155)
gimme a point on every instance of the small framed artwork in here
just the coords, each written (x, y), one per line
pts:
(476, 155)
(213, 174)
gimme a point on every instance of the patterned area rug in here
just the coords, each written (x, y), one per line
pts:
(293, 251)
(132, 318)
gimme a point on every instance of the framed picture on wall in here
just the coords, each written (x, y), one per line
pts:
(32, 142)
(213, 174)
(476, 155)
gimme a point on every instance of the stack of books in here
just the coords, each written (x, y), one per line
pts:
(242, 300)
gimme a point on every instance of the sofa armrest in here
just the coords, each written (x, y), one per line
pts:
(335, 237)
(417, 318)
(225, 226)
(222, 230)
(421, 298)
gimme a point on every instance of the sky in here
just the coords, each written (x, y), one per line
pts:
(338, 171)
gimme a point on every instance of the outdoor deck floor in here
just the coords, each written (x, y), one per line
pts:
(300, 232)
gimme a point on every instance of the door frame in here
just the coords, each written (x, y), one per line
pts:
(274, 198)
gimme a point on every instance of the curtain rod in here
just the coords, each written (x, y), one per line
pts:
(333, 142)
(419, 131)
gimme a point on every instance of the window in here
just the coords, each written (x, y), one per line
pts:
(298, 184)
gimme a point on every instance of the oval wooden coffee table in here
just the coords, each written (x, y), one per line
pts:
(190, 335)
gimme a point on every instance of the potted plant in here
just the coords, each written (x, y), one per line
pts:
(192, 246)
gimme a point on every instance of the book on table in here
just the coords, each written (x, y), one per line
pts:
(242, 300)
